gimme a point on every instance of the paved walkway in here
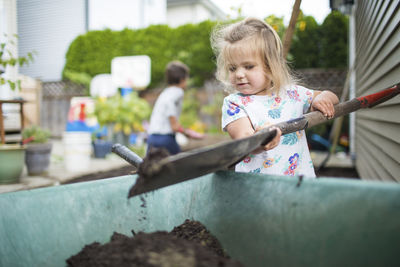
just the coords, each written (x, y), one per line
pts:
(58, 174)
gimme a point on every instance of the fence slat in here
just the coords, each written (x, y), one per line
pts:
(55, 104)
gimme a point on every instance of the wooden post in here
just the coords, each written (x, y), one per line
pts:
(290, 30)
(2, 129)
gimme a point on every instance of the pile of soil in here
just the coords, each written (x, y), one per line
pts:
(189, 244)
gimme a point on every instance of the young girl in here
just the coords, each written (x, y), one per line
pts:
(263, 93)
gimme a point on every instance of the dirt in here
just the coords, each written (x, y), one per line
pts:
(146, 168)
(189, 244)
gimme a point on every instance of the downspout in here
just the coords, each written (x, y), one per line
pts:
(352, 83)
(86, 15)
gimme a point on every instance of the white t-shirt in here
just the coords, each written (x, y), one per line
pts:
(291, 156)
(169, 103)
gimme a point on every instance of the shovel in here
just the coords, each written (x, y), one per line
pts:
(195, 163)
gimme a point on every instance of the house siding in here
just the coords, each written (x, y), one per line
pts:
(48, 27)
(377, 130)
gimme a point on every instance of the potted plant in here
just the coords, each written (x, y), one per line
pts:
(122, 115)
(101, 146)
(38, 149)
(11, 163)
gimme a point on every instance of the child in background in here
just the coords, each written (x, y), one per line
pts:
(164, 121)
(250, 62)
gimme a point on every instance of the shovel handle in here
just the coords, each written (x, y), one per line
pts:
(372, 100)
(313, 118)
(127, 154)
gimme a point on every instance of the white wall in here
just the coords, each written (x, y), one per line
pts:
(179, 15)
(48, 27)
(120, 14)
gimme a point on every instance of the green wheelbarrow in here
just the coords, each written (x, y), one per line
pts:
(260, 220)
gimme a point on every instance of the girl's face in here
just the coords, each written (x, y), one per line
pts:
(247, 74)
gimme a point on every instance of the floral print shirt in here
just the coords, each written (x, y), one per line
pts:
(291, 156)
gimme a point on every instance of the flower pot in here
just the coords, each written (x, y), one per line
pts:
(101, 148)
(11, 163)
(37, 158)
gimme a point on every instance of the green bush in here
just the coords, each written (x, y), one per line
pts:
(334, 41)
(305, 48)
(91, 53)
(320, 46)
(125, 113)
(313, 46)
(190, 109)
(36, 135)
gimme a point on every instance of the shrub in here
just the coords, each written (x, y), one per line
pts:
(126, 113)
(334, 41)
(35, 134)
(91, 53)
(305, 48)
(313, 46)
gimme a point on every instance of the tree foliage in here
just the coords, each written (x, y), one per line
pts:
(8, 59)
(92, 52)
(313, 46)
(305, 48)
(334, 41)
(320, 46)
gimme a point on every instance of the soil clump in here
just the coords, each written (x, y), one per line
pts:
(147, 168)
(189, 244)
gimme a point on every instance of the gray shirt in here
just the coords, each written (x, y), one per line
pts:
(169, 103)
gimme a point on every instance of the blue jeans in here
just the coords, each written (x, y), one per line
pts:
(166, 141)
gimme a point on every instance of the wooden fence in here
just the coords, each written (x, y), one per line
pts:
(56, 96)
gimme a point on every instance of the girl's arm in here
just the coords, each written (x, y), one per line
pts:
(324, 101)
(242, 127)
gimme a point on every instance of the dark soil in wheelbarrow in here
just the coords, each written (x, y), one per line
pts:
(189, 244)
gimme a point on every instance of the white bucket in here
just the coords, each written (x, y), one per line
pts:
(77, 150)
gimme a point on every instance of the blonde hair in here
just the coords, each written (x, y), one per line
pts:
(261, 39)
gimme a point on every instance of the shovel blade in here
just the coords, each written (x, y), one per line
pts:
(189, 165)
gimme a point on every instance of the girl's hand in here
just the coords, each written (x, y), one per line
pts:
(242, 127)
(324, 102)
(274, 142)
